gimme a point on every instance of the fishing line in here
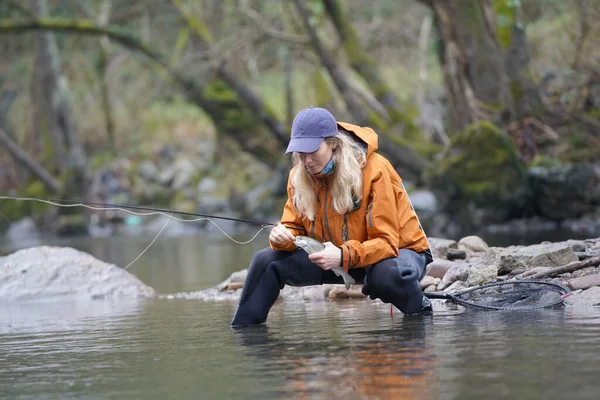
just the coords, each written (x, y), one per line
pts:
(154, 211)
(151, 243)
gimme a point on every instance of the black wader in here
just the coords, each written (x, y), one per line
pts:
(393, 280)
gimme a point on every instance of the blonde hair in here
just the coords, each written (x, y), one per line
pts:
(349, 159)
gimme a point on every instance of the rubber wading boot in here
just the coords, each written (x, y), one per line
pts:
(426, 308)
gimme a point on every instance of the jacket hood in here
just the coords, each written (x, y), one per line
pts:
(365, 134)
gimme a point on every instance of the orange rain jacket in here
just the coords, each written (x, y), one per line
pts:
(384, 222)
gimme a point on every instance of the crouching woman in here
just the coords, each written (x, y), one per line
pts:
(343, 193)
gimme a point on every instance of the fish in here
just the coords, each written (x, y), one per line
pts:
(311, 245)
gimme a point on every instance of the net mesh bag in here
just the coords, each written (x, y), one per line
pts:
(508, 295)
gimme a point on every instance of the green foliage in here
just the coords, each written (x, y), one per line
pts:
(220, 92)
(237, 120)
(14, 210)
(482, 168)
(505, 20)
(544, 161)
(577, 141)
(322, 91)
(516, 91)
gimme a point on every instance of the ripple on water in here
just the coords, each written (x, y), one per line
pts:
(185, 349)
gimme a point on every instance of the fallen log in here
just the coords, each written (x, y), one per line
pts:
(571, 267)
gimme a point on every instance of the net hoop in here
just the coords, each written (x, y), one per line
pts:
(456, 296)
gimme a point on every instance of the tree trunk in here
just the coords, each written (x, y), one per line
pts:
(103, 59)
(57, 108)
(366, 67)
(524, 95)
(471, 62)
(23, 160)
(45, 121)
(485, 61)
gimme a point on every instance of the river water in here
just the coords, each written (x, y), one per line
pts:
(184, 349)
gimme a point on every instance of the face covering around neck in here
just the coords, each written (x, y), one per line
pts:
(328, 170)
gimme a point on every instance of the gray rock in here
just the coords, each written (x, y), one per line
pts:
(584, 282)
(147, 170)
(456, 254)
(456, 286)
(482, 273)
(577, 245)
(184, 171)
(23, 228)
(587, 298)
(428, 281)
(562, 192)
(207, 184)
(51, 272)
(459, 272)
(439, 247)
(539, 255)
(472, 244)
(438, 267)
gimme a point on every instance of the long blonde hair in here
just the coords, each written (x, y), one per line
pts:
(349, 159)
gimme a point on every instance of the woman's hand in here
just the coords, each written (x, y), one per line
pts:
(281, 235)
(328, 258)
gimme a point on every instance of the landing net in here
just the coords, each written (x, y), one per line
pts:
(509, 295)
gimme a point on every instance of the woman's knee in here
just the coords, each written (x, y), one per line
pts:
(382, 276)
(411, 265)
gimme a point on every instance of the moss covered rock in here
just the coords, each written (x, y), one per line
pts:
(562, 192)
(480, 178)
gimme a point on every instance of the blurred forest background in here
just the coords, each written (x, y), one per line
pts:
(489, 109)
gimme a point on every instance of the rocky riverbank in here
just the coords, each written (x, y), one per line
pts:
(44, 273)
(462, 264)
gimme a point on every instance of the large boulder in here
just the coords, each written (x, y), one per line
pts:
(538, 255)
(55, 272)
(562, 192)
(480, 177)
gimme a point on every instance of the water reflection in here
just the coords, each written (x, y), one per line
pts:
(389, 363)
(184, 349)
(65, 315)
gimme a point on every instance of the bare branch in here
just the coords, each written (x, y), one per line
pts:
(23, 159)
(15, 4)
(571, 267)
(255, 18)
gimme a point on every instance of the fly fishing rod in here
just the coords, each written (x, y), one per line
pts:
(153, 210)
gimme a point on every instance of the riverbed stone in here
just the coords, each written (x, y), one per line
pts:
(482, 273)
(539, 255)
(587, 298)
(62, 272)
(458, 272)
(439, 247)
(438, 267)
(428, 280)
(472, 244)
(584, 282)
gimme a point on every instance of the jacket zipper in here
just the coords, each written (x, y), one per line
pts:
(326, 221)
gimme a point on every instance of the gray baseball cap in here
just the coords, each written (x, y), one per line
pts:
(309, 128)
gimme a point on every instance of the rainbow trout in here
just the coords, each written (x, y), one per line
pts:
(311, 245)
